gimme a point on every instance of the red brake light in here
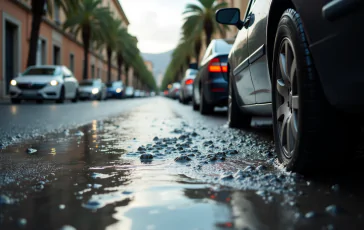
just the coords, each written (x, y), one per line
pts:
(215, 66)
(189, 82)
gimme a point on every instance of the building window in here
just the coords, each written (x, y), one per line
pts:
(57, 13)
(41, 52)
(98, 72)
(93, 71)
(72, 63)
(56, 55)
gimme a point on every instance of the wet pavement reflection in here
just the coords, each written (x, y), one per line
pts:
(100, 176)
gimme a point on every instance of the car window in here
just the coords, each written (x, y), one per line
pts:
(86, 83)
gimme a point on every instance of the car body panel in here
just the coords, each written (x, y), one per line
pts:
(257, 56)
(339, 69)
(337, 49)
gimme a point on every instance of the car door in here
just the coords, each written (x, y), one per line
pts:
(239, 65)
(257, 28)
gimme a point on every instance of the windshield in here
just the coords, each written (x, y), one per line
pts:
(86, 83)
(45, 71)
(114, 84)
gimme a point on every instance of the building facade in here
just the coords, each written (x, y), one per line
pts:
(55, 46)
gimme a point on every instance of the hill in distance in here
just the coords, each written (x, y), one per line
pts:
(160, 61)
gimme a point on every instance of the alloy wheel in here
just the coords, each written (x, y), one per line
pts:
(287, 98)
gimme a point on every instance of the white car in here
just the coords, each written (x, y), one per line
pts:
(93, 89)
(44, 83)
(129, 92)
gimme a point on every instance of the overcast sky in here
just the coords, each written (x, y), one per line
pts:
(156, 23)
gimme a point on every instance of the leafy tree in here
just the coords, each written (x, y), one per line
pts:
(89, 18)
(200, 22)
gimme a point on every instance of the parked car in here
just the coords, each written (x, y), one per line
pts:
(137, 93)
(93, 89)
(210, 89)
(45, 82)
(302, 62)
(115, 89)
(174, 91)
(129, 92)
(152, 94)
(187, 86)
(142, 93)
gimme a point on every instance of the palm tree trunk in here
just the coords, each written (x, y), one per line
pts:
(37, 14)
(208, 27)
(86, 34)
(120, 64)
(126, 66)
(197, 48)
(108, 53)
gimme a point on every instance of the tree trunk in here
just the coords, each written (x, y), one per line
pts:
(208, 27)
(108, 53)
(37, 14)
(126, 66)
(197, 48)
(120, 64)
(86, 32)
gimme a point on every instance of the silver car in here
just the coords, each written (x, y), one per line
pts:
(186, 92)
(93, 89)
(44, 82)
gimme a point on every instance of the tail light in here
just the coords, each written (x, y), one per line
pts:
(215, 66)
(189, 82)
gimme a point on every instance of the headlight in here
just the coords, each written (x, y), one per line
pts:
(53, 83)
(118, 90)
(13, 82)
(95, 91)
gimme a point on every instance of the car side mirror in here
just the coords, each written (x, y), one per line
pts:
(229, 16)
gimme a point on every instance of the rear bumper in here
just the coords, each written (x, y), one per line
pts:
(216, 92)
(187, 92)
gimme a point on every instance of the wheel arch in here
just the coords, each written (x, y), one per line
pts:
(276, 10)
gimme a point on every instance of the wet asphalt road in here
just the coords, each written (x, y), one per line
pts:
(155, 164)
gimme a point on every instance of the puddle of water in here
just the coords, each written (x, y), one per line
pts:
(91, 182)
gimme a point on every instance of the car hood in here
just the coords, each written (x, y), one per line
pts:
(37, 79)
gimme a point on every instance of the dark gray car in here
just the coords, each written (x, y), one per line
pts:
(300, 61)
(210, 89)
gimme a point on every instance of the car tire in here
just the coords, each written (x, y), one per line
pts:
(61, 98)
(309, 134)
(205, 107)
(236, 118)
(75, 99)
(39, 101)
(15, 101)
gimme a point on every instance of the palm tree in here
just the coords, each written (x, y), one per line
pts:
(200, 20)
(89, 18)
(39, 9)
